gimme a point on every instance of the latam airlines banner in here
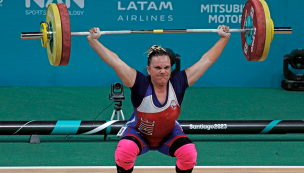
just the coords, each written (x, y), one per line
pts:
(25, 62)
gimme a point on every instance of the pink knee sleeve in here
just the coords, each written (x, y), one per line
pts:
(125, 154)
(186, 157)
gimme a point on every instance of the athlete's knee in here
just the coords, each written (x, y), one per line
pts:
(186, 157)
(125, 154)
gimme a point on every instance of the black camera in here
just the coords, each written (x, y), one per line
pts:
(294, 81)
(117, 92)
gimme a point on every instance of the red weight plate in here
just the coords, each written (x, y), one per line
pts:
(254, 51)
(66, 34)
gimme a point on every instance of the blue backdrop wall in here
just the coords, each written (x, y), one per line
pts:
(25, 62)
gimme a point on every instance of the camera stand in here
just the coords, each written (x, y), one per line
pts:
(117, 111)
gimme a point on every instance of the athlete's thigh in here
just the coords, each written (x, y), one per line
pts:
(167, 142)
(132, 132)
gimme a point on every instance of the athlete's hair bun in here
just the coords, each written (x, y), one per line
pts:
(156, 50)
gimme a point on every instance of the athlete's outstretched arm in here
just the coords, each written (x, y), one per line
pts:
(125, 72)
(198, 69)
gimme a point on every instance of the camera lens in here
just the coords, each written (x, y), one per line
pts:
(299, 61)
(117, 86)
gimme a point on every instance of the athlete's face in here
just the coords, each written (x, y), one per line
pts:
(160, 70)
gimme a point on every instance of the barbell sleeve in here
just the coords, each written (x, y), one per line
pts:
(282, 30)
(31, 35)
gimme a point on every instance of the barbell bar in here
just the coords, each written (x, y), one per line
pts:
(39, 35)
(257, 32)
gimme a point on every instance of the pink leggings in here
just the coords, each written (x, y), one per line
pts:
(125, 154)
(127, 150)
(186, 156)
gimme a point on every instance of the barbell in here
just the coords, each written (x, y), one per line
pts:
(257, 31)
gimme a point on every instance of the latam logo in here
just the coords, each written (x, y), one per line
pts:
(144, 5)
(156, 7)
(45, 3)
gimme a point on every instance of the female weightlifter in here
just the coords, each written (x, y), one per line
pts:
(157, 100)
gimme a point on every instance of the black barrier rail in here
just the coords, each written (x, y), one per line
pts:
(78, 127)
